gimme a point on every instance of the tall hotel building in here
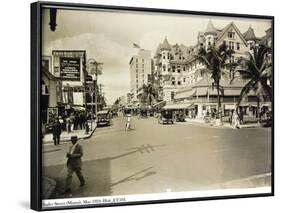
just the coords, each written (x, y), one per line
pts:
(140, 67)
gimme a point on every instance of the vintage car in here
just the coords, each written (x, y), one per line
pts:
(166, 117)
(103, 118)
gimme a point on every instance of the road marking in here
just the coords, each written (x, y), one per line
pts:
(215, 136)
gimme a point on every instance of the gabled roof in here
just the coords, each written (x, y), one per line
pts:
(231, 24)
(165, 45)
(250, 34)
(210, 28)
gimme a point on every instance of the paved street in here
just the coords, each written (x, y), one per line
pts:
(159, 158)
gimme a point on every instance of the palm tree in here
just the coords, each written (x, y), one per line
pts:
(149, 94)
(217, 61)
(256, 70)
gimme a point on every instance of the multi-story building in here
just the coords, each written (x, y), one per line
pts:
(170, 68)
(178, 69)
(140, 68)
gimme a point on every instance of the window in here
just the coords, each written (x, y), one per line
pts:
(184, 80)
(137, 76)
(136, 70)
(163, 56)
(164, 67)
(142, 60)
(136, 65)
(179, 69)
(142, 65)
(231, 45)
(231, 34)
(183, 68)
(172, 95)
(137, 81)
(179, 83)
(173, 68)
(136, 60)
(238, 46)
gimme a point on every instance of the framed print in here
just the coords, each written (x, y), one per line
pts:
(144, 105)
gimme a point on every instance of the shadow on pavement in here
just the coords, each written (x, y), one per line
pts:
(97, 174)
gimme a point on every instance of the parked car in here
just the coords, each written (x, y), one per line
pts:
(166, 116)
(103, 118)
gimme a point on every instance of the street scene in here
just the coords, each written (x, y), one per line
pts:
(154, 105)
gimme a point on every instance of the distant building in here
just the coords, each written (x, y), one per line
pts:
(140, 68)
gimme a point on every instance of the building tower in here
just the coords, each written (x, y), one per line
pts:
(250, 37)
(165, 57)
(210, 35)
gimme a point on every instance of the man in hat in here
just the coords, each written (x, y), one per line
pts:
(74, 163)
(56, 132)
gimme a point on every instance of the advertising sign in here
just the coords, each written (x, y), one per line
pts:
(70, 68)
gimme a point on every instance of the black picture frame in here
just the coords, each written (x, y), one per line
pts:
(36, 134)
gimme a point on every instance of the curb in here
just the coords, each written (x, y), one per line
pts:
(67, 140)
(222, 126)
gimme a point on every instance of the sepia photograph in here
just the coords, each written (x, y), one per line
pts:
(140, 106)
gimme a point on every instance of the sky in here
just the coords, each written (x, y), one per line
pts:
(108, 37)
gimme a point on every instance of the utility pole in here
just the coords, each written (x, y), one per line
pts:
(95, 69)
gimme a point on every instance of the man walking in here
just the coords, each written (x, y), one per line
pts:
(74, 163)
(56, 132)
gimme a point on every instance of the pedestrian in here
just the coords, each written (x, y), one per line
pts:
(74, 163)
(230, 117)
(61, 123)
(56, 130)
(82, 120)
(241, 116)
(72, 118)
(235, 120)
(68, 125)
(128, 123)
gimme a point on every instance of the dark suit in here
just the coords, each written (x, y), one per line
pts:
(74, 164)
(56, 132)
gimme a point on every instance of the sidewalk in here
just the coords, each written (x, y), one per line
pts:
(224, 124)
(65, 136)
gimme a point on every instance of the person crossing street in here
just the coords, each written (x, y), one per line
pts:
(74, 163)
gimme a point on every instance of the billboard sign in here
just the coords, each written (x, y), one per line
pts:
(70, 68)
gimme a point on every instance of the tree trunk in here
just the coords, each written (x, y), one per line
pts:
(218, 101)
(258, 110)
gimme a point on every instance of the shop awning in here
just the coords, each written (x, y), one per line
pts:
(186, 94)
(159, 104)
(178, 106)
(229, 106)
(201, 91)
(232, 92)
(78, 108)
